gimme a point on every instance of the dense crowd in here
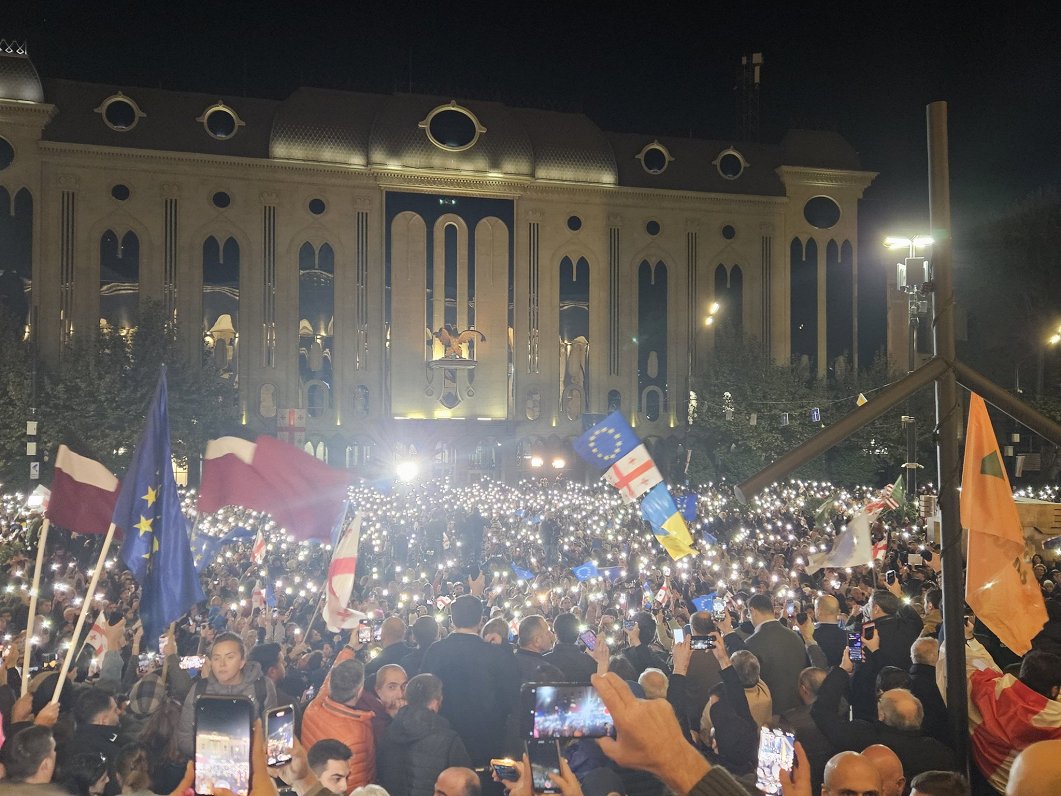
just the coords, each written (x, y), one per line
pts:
(470, 593)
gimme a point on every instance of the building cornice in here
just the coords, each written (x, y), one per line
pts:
(25, 114)
(827, 178)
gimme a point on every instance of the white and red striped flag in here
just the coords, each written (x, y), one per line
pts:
(83, 493)
(634, 474)
(342, 574)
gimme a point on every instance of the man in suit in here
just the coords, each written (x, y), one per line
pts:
(925, 655)
(481, 682)
(566, 655)
(827, 632)
(782, 653)
(799, 721)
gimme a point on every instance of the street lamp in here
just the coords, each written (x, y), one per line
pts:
(712, 313)
(911, 279)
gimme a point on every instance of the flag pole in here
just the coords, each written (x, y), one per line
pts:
(42, 540)
(85, 607)
(316, 612)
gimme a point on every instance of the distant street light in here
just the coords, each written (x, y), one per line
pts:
(712, 313)
(407, 470)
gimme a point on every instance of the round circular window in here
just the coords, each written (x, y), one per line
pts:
(221, 199)
(7, 154)
(452, 127)
(220, 121)
(120, 113)
(574, 223)
(120, 192)
(317, 206)
(730, 164)
(654, 158)
(821, 212)
(728, 232)
(652, 228)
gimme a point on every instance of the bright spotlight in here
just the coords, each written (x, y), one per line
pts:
(923, 240)
(893, 242)
(536, 461)
(714, 308)
(559, 463)
(710, 320)
(407, 470)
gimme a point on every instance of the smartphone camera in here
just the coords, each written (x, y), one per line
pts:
(566, 710)
(589, 638)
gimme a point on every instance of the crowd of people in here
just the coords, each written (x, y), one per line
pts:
(470, 593)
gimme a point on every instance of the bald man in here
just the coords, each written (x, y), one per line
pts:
(655, 683)
(851, 774)
(457, 782)
(392, 637)
(827, 631)
(1036, 771)
(535, 639)
(890, 767)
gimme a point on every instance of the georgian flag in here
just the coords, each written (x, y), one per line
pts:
(97, 638)
(341, 578)
(634, 474)
(258, 551)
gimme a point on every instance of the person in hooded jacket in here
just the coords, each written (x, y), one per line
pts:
(419, 744)
(230, 675)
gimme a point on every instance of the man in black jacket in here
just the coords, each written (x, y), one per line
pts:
(481, 682)
(566, 655)
(96, 714)
(639, 653)
(898, 726)
(782, 653)
(535, 638)
(827, 631)
(392, 637)
(925, 655)
(897, 625)
(419, 745)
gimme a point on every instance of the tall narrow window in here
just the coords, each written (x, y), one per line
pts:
(16, 253)
(316, 326)
(119, 279)
(652, 339)
(574, 336)
(839, 321)
(804, 300)
(221, 271)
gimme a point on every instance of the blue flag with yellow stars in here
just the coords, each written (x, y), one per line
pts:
(607, 442)
(156, 548)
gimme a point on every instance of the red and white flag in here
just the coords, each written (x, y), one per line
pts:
(302, 493)
(258, 597)
(634, 474)
(258, 551)
(97, 637)
(342, 575)
(880, 549)
(83, 493)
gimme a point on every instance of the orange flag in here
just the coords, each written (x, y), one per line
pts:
(1000, 585)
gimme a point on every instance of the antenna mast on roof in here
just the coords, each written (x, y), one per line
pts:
(748, 97)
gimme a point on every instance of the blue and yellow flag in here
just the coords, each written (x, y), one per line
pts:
(667, 524)
(156, 548)
(607, 442)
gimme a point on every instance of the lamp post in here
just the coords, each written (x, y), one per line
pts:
(912, 280)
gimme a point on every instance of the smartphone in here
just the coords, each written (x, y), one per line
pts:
(628, 624)
(777, 753)
(589, 638)
(564, 710)
(364, 631)
(679, 635)
(545, 760)
(146, 662)
(790, 609)
(377, 630)
(505, 768)
(915, 559)
(854, 647)
(890, 577)
(701, 643)
(718, 608)
(192, 662)
(280, 735)
(223, 744)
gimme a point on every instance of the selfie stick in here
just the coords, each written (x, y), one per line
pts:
(42, 540)
(85, 606)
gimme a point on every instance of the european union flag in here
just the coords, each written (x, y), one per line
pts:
(206, 547)
(705, 602)
(611, 573)
(586, 571)
(522, 574)
(607, 442)
(156, 547)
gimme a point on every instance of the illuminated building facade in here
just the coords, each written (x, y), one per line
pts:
(366, 263)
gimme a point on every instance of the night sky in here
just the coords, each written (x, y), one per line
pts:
(864, 69)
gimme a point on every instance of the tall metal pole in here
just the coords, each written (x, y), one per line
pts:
(948, 421)
(908, 420)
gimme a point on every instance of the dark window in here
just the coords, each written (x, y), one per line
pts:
(652, 228)
(220, 123)
(120, 192)
(317, 206)
(120, 114)
(728, 232)
(574, 223)
(615, 401)
(452, 129)
(821, 212)
(7, 154)
(730, 166)
(655, 160)
(221, 199)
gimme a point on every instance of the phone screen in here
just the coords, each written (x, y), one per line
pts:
(718, 608)
(545, 760)
(679, 635)
(776, 754)
(146, 662)
(565, 711)
(192, 663)
(790, 608)
(223, 744)
(280, 735)
(890, 576)
(854, 647)
(701, 643)
(505, 768)
(589, 638)
(364, 632)
(628, 624)
(377, 632)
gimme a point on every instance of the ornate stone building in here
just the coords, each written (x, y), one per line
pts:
(392, 276)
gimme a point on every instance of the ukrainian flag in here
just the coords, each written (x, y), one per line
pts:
(662, 514)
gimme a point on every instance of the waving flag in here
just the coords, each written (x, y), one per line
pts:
(156, 547)
(607, 442)
(667, 524)
(586, 571)
(705, 602)
(634, 474)
(206, 547)
(258, 551)
(999, 585)
(851, 548)
(890, 498)
(611, 573)
(342, 574)
(97, 637)
(83, 493)
(521, 573)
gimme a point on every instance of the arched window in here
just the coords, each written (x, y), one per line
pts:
(221, 273)
(316, 311)
(16, 252)
(652, 337)
(615, 401)
(317, 449)
(839, 291)
(804, 299)
(318, 398)
(119, 279)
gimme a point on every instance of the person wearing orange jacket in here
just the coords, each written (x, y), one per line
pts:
(332, 715)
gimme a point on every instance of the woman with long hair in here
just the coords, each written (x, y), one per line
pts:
(159, 739)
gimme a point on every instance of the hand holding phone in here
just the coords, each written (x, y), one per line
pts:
(544, 758)
(679, 635)
(854, 647)
(279, 735)
(505, 769)
(223, 744)
(701, 643)
(364, 632)
(776, 754)
(589, 638)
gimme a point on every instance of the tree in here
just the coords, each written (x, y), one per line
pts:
(97, 401)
